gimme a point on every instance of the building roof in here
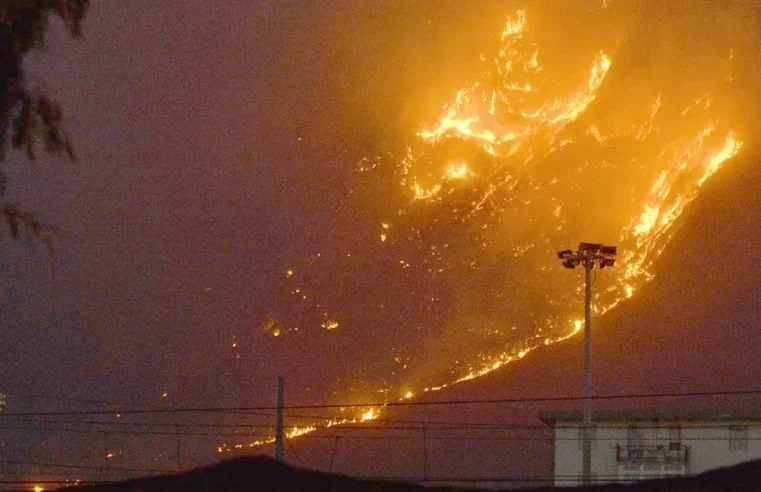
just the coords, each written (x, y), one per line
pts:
(553, 418)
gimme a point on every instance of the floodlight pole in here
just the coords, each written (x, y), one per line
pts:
(589, 255)
(586, 471)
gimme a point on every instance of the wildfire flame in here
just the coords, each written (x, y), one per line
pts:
(517, 166)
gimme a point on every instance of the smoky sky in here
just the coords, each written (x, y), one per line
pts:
(217, 144)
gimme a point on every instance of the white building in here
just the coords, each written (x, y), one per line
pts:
(631, 446)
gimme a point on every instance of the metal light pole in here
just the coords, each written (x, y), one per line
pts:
(279, 436)
(589, 255)
(586, 469)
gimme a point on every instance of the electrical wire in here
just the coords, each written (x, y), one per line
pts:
(82, 467)
(387, 404)
(27, 396)
(368, 428)
(288, 442)
(367, 425)
(133, 432)
(493, 438)
(142, 424)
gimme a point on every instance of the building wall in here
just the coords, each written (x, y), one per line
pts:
(708, 446)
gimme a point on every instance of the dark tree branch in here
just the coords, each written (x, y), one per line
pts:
(29, 118)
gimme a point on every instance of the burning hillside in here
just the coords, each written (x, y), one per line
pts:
(559, 139)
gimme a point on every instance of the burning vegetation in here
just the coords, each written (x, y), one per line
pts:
(607, 138)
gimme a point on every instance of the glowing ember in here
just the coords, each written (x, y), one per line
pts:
(366, 416)
(328, 323)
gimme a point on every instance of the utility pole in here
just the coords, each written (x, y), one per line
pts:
(279, 422)
(177, 447)
(106, 473)
(589, 255)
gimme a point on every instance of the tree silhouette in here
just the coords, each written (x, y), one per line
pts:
(29, 118)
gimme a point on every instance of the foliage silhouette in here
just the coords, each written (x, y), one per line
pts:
(29, 118)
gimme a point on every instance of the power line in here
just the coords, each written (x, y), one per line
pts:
(445, 424)
(370, 424)
(385, 404)
(378, 437)
(493, 438)
(353, 427)
(45, 482)
(366, 425)
(133, 432)
(141, 424)
(63, 398)
(81, 467)
(288, 442)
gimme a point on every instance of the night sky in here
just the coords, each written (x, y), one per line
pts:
(189, 195)
(213, 143)
(217, 148)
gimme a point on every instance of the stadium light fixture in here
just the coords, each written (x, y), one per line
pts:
(591, 255)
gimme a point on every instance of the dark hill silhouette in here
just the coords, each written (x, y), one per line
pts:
(264, 474)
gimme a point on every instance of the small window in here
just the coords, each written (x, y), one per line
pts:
(592, 436)
(738, 438)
